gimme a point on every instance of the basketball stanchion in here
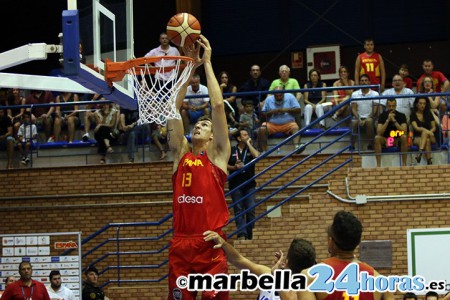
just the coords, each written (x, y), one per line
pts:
(156, 98)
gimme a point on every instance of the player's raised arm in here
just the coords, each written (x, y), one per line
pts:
(221, 142)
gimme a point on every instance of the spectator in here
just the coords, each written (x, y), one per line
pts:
(66, 116)
(89, 115)
(6, 137)
(26, 137)
(42, 115)
(15, 98)
(436, 102)
(409, 296)
(242, 154)
(314, 99)
(106, 119)
(254, 84)
(233, 125)
(280, 109)
(446, 129)
(440, 82)
(159, 137)
(404, 105)
(392, 124)
(404, 72)
(91, 290)
(25, 287)
(424, 127)
(56, 291)
(362, 111)
(194, 108)
(248, 120)
(431, 295)
(227, 86)
(133, 132)
(8, 280)
(342, 95)
(286, 82)
(370, 63)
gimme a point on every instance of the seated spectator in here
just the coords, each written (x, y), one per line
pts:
(253, 84)
(159, 137)
(279, 109)
(42, 115)
(89, 115)
(26, 137)
(6, 137)
(233, 125)
(128, 125)
(441, 83)
(437, 103)
(194, 108)
(226, 86)
(248, 120)
(342, 95)
(314, 99)
(404, 105)
(404, 72)
(15, 98)
(392, 124)
(362, 111)
(424, 127)
(66, 116)
(106, 118)
(446, 129)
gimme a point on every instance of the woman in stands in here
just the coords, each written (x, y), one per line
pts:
(427, 86)
(342, 95)
(424, 127)
(226, 86)
(314, 99)
(15, 114)
(106, 119)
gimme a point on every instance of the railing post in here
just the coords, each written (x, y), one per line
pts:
(118, 254)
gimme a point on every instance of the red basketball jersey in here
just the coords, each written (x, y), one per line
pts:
(198, 196)
(370, 65)
(338, 265)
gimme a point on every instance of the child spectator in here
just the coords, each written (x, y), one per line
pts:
(403, 71)
(26, 136)
(248, 119)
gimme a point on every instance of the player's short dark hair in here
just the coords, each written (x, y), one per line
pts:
(53, 273)
(346, 230)
(301, 255)
(409, 296)
(431, 294)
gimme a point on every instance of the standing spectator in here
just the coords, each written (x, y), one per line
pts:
(42, 115)
(164, 49)
(404, 72)
(56, 291)
(280, 110)
(404, 105)
(133, 132)
(6, 137)
(242, 154)
(25, 287)
(248, 120)
(424, 127)
(342, 95)
(314, 99)
(362, 110)
(194, 108)
(91, 290)
(372, 64)
(26, 137)
(391, 120)
(8, 280)
(440, 82)
(254, 84)
(106, 118)
(15, 98)
(66, 115)
(227, 86)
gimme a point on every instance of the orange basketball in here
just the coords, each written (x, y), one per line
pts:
(183, 29)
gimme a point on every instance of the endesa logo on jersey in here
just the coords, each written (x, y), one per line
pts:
(190, 199)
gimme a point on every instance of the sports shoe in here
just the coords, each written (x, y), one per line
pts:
(51, 139)
(27, 160)
(85, 137)
(24, 160)
(300, 148)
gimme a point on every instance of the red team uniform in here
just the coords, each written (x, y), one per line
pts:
(338, 265)
(370, 65)
(198, 205)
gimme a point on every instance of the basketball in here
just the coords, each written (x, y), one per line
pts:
(183, 29)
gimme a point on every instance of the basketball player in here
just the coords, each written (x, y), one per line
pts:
(199, 175)
(344, 235)
(301, 255)
(372, 64)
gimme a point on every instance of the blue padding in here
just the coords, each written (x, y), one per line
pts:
(71, 42)
(317, 131)
(64, 144)
(390, 149)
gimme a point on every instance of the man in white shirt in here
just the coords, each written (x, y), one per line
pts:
(164, 50)
(404, 105)
(56, 291)
(194, 108)
(362, 111)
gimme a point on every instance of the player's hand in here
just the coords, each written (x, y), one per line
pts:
(193, 51)
(279, 261)
(215, 237)
(202, 41)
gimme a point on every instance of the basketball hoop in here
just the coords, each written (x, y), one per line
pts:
(156, 98)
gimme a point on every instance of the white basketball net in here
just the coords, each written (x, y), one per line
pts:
(156, 98)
